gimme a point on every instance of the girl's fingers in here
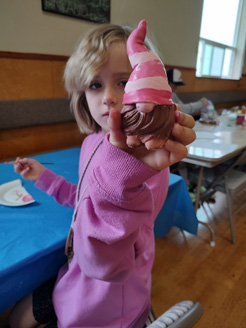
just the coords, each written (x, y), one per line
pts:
(28, 168)
(177, 151)
(186, 120)
(24, 161)
(21, 164)
(117, 137)
(172, 152)
(25, 172)
(183, 134)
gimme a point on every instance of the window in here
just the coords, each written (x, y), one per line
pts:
(222, 39)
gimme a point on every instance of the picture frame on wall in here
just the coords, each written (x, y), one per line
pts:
(97, 11)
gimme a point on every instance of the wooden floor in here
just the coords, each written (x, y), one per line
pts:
(187, 267)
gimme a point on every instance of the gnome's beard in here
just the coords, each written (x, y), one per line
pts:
(143, 127)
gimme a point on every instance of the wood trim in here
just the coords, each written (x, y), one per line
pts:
(22, 55)
(182, 68)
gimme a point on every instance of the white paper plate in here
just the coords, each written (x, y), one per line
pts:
(13, 194)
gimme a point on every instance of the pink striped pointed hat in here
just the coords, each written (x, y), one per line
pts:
(148, 80)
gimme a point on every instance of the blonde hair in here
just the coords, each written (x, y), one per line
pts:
(84, 64)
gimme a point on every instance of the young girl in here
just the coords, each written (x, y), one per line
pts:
(107, 279)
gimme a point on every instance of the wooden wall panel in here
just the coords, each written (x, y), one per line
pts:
(209, 84)
(57, 79)
(196, 84)
(36, 76)
(242, 83)
(38, 139)
(27, 78)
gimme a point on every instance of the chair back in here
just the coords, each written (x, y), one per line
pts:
(184, 314)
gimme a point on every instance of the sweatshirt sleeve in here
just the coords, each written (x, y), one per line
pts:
(56, 186)
(115, 219)
(188, 108)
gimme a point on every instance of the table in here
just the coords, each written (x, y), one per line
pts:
(214, 145)
(32, 237)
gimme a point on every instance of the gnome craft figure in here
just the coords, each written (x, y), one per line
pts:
(148, 114)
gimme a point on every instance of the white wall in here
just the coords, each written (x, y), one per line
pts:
(173, 24)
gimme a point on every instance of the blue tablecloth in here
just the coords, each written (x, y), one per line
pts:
(177, 210)
(32, 237)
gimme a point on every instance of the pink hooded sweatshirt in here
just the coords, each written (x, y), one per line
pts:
(108, 282)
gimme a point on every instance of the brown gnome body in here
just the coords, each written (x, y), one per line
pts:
(152, 129)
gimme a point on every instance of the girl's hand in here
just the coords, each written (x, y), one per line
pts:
(172, 152)
(28, 168)
(183, 128)
(117, 137)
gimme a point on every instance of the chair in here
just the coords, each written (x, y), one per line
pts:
(184, 314)
(229, 180)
